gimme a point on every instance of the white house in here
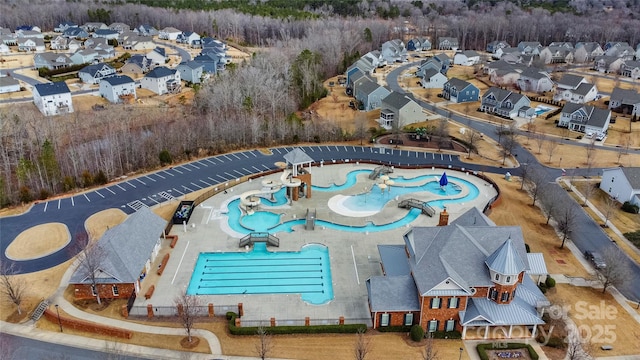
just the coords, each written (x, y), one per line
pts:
(585, 118)
(31, 44)
(157, 56)
(535, 80)
(9, 84)
(466, 58)
(161, 80)
(169, 33)
(53, 98)
(622, 184)
(191, 71)
(138, 42)
(93, 74)
(576, 89)
(433, 79)
(398, 110)
(116, 88)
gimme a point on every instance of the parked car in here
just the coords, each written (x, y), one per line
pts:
(595, 258)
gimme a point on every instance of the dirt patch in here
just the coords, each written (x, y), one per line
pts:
(39, 241)
(185, 343)
(99, 222)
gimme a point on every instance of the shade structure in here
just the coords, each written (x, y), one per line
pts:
(443, 179)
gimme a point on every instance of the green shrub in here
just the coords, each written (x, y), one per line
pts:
(543, 287)
(482, 349)
(630, 208)
(402, 328)
(417, 332)
(315, 329)
(44, 193)
(556, 342)
(550, 282)
(165, 157)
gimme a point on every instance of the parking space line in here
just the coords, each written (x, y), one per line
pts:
(236, 156)
(168, 173)
(86, 197)
(126, 182)
(245, 155)
(160, 176)
(223, 178)
(59, 203)
(193, 165)
(212, 179)
(441, 156)
(186, 188)
(202, 163)
(256, 169)
(227, 157)
(253, 152)
(96, 191)
(176, 190)
(211, 162)
(121, 188)
(140, 181)
(45, 206)
(205, 182)
(111, 191)
(176, 169)
(241, 174)
(150, 198)
(72, 202)
(185, 168)
(450, 157)
(196, 185)
(150, 178)
(433, 155)
(265, 166)
(230, 176)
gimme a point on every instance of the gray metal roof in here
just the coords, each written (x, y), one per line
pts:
(8, 81)
(394, 260)
(395, 100)
(127, 247)
(483, 311)
(297, 156)
(393, 293)
(54, 88)
(506, 260)
(537, 265)
(584, 88)
(571, 80)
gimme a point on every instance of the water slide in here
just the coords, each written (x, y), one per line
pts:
(251, 199)
(288, 180)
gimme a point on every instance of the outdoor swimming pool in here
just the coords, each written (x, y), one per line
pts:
(260, 271)
(540, 109)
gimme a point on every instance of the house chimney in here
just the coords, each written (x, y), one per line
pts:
(444, 218)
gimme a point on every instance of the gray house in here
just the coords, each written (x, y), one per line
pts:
(626, 101)
(398, 110)
(51, 60)
(117, 88)
(191, 71)
(535, 80)
(529, 47)
(448, 43)
(370, 94)
(433, 79)
(505, 103)
(622, 184)
(585, 118)
(92, 74)
(394, 51)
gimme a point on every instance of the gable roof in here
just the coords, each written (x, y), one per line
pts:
(54, 88)
(95, 68)
(396, 100)
(8, 81)
(191, 64)
(584, 88)
(503, 95)
(595, 116)
(118, 80)
(458, 83)
(625, 96)
(571, 80)
(127, 247)
(367, 86)
(105, 32)
(430, 72)
(633, 176)
(160, 72)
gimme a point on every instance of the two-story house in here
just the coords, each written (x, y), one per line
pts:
(622, 184)
(31, 44)
(459, 91)
(587, 52)
(369, 93)
(138, 42)
(535, 80)
(418, 44)
(608, 64)
(51, 60)
(158, 56)
(118, 88)
(626, 101)
(53, 98)
(169, 33)
(557, 55)
(189, 37)
(394, 51)
(631, 69)
(505, 103)
(75, 33)
(576, 89)
(92, 74)
(398, 110)
(119, 27)
(466, 58)
(136, 65)
(108, 34)
(93, 26)
(470, 276)
(448, 43)
(493, 46)
(191, 71)
(161, 80)
(146, 30)
(529, 47)
(585, 118)
(433, 79)
(64, 25)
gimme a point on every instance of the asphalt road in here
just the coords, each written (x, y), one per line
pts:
(21, 348)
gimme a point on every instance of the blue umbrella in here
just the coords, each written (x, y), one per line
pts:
(443, 179)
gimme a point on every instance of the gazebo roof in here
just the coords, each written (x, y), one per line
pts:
(297, 156)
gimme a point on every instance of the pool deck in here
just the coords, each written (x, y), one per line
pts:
(354, 256)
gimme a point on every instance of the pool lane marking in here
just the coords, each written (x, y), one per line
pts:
(353, 255)
(180, 263)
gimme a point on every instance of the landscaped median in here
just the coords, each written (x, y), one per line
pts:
(310, 329)
(505, 348)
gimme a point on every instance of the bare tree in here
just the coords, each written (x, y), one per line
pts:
(565, 218)
(442, 132)
(590, 150)
(508, 142)
(610, 207)
(550, 147)
(13, 288)
(363, 346)
(429, 351)
(536, 184)
(361, 123)
(576, 347)
(188, 310)
(264, 345)
(471, 137)
(525, 169)
(90, 261)
(540, 140)
(549, 201)
(615, 272)
(587, 192)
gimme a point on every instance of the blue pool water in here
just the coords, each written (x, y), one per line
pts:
(260, 271)
(541, 110)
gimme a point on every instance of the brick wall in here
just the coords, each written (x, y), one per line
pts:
(396, 318)
(83, 291)
(444, 313)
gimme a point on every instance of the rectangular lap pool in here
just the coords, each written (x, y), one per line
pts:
(259, 271)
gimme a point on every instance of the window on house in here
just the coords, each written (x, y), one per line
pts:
(114, 288)
(450, 325)
(408, 319)
(494, 294)
(453, 303)
(384, 320)
(93, 290)
(505, 296)
(432, 326)
(435, 303)
(508, 278)
(497, 277)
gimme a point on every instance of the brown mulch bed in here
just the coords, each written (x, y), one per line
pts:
(432, 143)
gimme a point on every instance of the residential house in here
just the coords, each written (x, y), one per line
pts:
(191, 71)
(75, 33)
(363, 65)
(138, 42)
(493, 46)
(535, 80)
(189, 38)
(169, 33)
(136, 65)
(585, 118)
(433, 79)
(73, 45)
(32, 28)
(4, 49)
(93, 74)
(120, 27)
(51, 61)
(129, 251)
(625, 101)
(161, 80)
(459, 91)
(557, 55)
(59, 43)
(118, 88)
(608, 64)
(86, 56)
(622, 184)
(508, 54)
(638, 52)
(93, 26)
(53, 98)
(505, 103)
(398, 110)
(631, 69)
(448, 43)
(375, 58)
(147, 30)
(468, 276)
(108, 34)
(394, 51)
(60, 28)
(158, 56)
(31, 45)
(370, 94)
(587, 52)
(576, 89)
(211, 62)
(466, 58)
(619, 49)
(9, 40)
(440, 62)
(506, 77)
(105, 51)
(530, 47)
(563, 44)
(9, 84)
(418, 44)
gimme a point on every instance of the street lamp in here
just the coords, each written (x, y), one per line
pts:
(460, 357)
(59, 322)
